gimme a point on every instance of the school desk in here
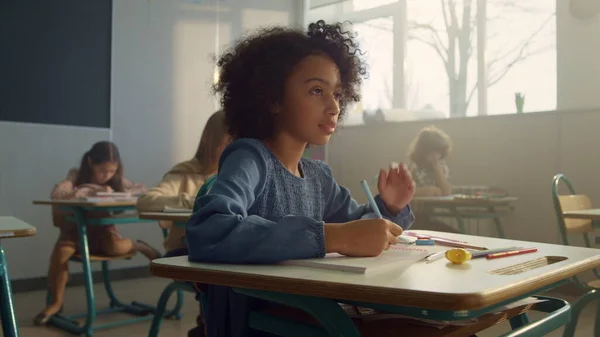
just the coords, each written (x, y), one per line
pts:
(123, 213)
(437, 290)
(466, 208)
(10, 227)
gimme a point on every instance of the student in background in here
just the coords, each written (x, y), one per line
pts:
(281, 90)
(101, 170)
(427, 155)
(427, 162)
(180, 185)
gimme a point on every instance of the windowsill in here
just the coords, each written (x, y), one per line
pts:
(533, 114)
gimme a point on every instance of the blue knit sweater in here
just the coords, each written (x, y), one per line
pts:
(259, 212)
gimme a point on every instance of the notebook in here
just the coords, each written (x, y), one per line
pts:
(398, 257)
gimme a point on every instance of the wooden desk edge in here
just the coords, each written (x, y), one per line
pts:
(443, 301)
(163, 217)
(18, 233)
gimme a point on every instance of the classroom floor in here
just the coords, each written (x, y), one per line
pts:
(29, 304)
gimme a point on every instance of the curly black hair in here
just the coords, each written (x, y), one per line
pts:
(254, 70)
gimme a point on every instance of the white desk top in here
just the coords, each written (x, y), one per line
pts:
(588, 214)
(439, 284)
(11, 227)
(84, 203)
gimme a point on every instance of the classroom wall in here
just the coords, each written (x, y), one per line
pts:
(578, 48)
(162, 70)
(518, 152)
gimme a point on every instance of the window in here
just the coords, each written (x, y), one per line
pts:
(521, 55)
(453, 58)
(375, 36)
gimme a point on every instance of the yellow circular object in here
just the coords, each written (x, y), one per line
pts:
(458, 255)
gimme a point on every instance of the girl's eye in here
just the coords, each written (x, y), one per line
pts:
(316, 91)
(337, 96)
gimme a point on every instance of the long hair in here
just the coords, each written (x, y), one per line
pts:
(429, 140)
(100, 153)
(212, 137)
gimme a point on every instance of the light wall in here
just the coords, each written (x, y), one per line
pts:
(162, 69)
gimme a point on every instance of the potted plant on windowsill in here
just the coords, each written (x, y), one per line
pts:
(519, 102)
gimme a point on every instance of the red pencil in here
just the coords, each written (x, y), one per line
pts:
(511, 253)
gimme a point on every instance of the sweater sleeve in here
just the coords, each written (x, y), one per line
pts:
(166, 194)
(133, 188)
(222, 231)
(66, 189)
(341, 207)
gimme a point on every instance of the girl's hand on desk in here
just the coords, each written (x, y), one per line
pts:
(396, 188)
(105, 189)
(361, 238)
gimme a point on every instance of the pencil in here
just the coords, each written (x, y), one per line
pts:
(511, 253)
(372, 202)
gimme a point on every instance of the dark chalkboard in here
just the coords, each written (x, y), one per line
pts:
(55, 61)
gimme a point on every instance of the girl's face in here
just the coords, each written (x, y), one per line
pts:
(102, 173)
(311, 102)
(434, 158)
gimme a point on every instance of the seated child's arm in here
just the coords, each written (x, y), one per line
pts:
(66, 190)
(132, 188)
(166, 194)
(222, 231)
(424, 187)
(341, 207)
(441, 178)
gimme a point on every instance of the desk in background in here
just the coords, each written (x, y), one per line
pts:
(126, 215)
(469, 207)
(10, 227)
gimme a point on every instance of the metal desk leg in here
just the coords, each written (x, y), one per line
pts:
(459, 220)
(9, 321)
(498, 223)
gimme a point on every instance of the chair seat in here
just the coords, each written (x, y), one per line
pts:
(594, 284)
(390, 327)
(77, 257)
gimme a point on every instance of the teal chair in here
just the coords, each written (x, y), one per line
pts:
(569, 228)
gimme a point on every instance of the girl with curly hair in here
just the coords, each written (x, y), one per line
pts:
(282, 90)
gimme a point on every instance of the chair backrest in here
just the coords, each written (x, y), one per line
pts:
(204, 189)
(570, 202)
(576, 202)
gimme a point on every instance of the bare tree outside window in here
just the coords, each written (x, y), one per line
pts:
(452, 34)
